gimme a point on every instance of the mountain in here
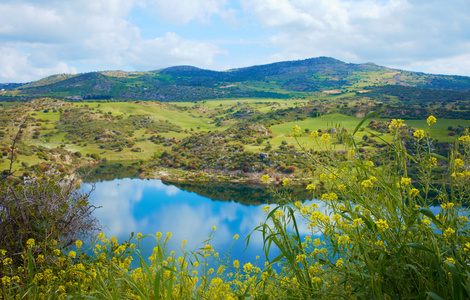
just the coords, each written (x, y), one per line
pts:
(277, 80)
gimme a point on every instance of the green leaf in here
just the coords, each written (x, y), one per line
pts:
(440, 157)
(434, 296)
(428, 213)
(419, 247)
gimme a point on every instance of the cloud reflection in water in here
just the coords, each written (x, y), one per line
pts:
(149, 206)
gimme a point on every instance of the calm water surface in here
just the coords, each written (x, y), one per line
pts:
(149, 206)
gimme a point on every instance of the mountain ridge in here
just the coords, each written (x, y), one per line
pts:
(284, 79)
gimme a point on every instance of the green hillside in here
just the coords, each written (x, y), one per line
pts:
(280, 80)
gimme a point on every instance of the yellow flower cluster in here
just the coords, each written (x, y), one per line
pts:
(310, 186)
(296, 131)
(381, 224)
(314, 134)
(329, 196)
(419, 134)
(395, 124)
(447, 205)
(325, 138)
(431, 120)
(465, 138)
(449, 232)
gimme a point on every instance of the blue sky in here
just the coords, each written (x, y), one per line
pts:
(39, 38)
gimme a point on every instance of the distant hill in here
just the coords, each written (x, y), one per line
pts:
(277, 80)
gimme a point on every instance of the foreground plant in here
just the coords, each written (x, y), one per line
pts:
(376, 232)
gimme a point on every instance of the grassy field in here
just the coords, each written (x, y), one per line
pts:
(439, 130)
(282, 131)
(194, 118)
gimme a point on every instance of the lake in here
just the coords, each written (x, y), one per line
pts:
(150, 206)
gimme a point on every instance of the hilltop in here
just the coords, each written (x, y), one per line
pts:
(280, 80)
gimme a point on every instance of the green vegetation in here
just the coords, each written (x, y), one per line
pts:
(283, 80)
(372, 235)
(233, 140)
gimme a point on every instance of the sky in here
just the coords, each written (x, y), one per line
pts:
(39, 38)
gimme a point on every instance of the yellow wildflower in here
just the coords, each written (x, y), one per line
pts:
(351, 153)
(464, 138)
(414, 192)
(314, 134)
(467, 247)
(449, 232)
(431, 120)
(266, 208)
(339, 262)
(325, 138)
(458, 163)
(214, 228)
(30, 243)
(367, 183)
(6, 280)
(344, 239)
(405, 181)
(311, 186)
(248, 267)
(236, 264)
(357, 222)
(72, 254)
(450, 260)
(447, 205)
(419, 134)
(236, 236)
(381, 224)
(78, 244)
(395, 124)
(278, 214)
(285, 182)
(329, 196)
(296, 131)
(168, 235)
(265, 178)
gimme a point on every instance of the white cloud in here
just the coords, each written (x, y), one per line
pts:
(396, 32)
(171, 49)
(47, 37)
(17, 66)
(455, 65)
(185, 11)
(40, 38)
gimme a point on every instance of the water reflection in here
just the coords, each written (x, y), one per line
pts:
(149, 206)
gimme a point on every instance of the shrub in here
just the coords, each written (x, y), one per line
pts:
(48, 210)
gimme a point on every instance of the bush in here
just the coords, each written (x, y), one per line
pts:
(48, 210)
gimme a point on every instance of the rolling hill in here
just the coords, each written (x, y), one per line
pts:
(277, 80)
